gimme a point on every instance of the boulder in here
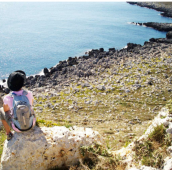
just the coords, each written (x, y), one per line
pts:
(131, 46)
(169, 35)
(6, 90)
(72, 61)
(101, 49)
(37, 77)
(46, 72)
(53, 69)
(100, 87)
(46, 147)
(112, 49)
(63, 63)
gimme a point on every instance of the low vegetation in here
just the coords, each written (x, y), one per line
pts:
(134, 93)
(2, 139)
(118, 115)
(96, 157)
(152, 150)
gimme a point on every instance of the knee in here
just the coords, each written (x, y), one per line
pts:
(1, 110)
(2, 113)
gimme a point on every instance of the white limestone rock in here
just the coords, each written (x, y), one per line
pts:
(99, 87)
(127, 154)
(169, 150)
(164, 112)
(147, 168)
(168, 164)
(43, 148)
(169, 130)
(165, 122)
(143, 168)
(158, 120)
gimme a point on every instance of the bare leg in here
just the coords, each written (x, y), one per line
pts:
(6, 126)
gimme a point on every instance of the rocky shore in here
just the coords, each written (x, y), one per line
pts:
(86, 65)
(166, 27)
(163, 7)
(115, 92)
(122, 92)
(92, 64)
(77, 90)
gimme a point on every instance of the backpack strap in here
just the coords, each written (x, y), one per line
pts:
(24, 92)
(12, 94)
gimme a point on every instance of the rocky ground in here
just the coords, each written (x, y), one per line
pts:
(166, 27)
(163, 7)
(153, 150)
(118, 97)
(116, 92)
(122, 92)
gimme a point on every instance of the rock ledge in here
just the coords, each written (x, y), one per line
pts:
(44, 148)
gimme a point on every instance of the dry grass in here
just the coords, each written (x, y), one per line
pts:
(118, 116)
(113, 113)
(168, 4)
(152, 151)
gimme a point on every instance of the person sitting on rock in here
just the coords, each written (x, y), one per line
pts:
(15, 83)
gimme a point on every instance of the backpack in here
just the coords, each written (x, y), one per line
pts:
(23, 117)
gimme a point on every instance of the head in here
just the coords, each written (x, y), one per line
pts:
(16, 80)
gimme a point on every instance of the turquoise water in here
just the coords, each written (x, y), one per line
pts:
(37, 35)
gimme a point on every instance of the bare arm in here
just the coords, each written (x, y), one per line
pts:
(6, 107)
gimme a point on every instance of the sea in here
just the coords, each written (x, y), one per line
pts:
(35, 35)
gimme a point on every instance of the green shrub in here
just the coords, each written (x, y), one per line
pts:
(46, 123)
(152, 150)
(158, 134)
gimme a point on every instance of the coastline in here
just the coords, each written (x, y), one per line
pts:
(115, 92)
(166, 11)
(48, 76)
(94, 53)
(163, 7)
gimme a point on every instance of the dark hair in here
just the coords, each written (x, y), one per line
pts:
(16, 80)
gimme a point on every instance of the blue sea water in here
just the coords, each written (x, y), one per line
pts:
(34, 35)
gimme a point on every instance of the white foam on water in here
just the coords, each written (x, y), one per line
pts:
(3, 84)
(131, 23)
(41, 72)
